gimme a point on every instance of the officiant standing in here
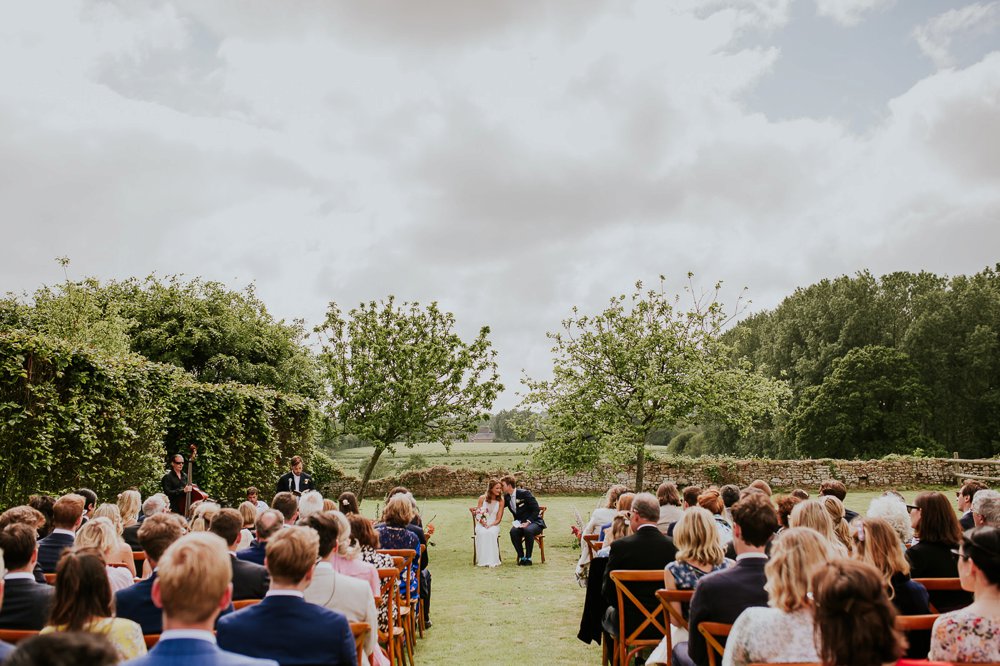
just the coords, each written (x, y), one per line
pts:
(527, 523)
(295, 481)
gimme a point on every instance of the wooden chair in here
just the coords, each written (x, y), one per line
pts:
(592, 540)
(939, 584)
(713, 631)
(393, 636)
(540, 538)
(408, 600)
(670, 601)
(15, 636)
(138, 556)
(630, 644)
(360, 631)
(475, 561)
(243, 603)
(150, 640)
(50, 578)
(907, 623)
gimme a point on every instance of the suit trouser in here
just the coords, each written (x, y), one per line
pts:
(527, 536)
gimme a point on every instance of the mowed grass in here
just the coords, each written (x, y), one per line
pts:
(471, 455)
(511, 614)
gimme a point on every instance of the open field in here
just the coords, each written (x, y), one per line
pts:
(512, 615)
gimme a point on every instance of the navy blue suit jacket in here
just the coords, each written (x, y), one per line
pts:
(136, 603)
(193, 652)
(255, 553)
(26, 604)
(721, 597)
(50, 549)
(290, 631)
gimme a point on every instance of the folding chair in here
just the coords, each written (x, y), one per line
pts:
(670, 601)
(630, 644)
(360, 631)
(393, 635)
(713, 631)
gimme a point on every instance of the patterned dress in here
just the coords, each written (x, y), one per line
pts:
(771, 635)
(380, 561)
(965, 636)
(124, 634)
(398, 538)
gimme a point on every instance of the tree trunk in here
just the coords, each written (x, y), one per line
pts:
(368, 474)
(640, 463)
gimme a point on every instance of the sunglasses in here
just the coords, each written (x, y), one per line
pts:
(959, 553)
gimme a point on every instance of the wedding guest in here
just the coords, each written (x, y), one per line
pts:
(347, 503)
(620, 528)
(623, 505)
(129, 505)
(43, 504)
(248, 512)
(690, 497)
(838, 490)
(855, 623)
(329, 504)
(33, 518)
(785, 504)
(762, 486)
(599, 517)
(98, 534)
(730, 496)
(136, 603)
(986, 508)
(202, 514)
(64, 649)
(89, 503)
(938, 534)
(288, 505)
(800, 493)
(813, 514)
(124, 553)
(835, 509)
(964, 498)
(972, 634)
(670, 505)
(393, 535)
(364, 537)
(83, 602)
(249, 580)
(253, 496)
(26, 602)
(67, 514)
(711, 501)
(269, 522)
(309, 503)
(892, 510)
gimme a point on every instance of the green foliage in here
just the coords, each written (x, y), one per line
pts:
(402, 374)
(643, 364)
(678, 444)
(514, 425)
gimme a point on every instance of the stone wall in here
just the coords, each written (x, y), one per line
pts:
(780, 474)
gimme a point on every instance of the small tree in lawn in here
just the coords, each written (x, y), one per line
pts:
(643, 364)
(401, 374)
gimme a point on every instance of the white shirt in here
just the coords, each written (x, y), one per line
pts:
(298, 480)
(20, 575)
(749, 556)
(285, 593)
(196, 634)
(60, 530)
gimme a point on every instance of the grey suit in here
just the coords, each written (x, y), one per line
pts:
(25, 604)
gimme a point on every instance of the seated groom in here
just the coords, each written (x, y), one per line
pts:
(192, 587)
(527, 523)
(283, 626)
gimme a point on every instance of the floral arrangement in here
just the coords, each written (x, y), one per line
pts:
(481, 515)
(577, 529)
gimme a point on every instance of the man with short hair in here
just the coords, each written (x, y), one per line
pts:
(295, 480)
(528, 522)
(253, 496)
(89, 502)
(964, 497)
(646, 548)
(986, 508)
(5, 648)
(288, 505)
(27, 602)
(249, 579)
(192, 588)
(723, 595)
(67, 514)
(284, 626)
(837, 488)
(268, 524)
(33, 518)
(136, 603)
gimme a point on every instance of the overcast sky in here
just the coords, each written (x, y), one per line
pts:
(508, 159)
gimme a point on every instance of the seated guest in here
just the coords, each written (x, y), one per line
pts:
(938, 534)
(89, 502)
(812, 514)
(249, 514)
(124, 554)
(249, 579)
(329, 504)
(802, 494)
(711, 501)
(689, 498)
(972, 634)
(722, 596)
(986, 508)
(838, 490)
(284, 626)
(202, 514)
(43, 504)
(34, 519)
(761, 485)
(892, 510)
(782, 632)
(620, 528)
(347, 503)
(854, 621)
(129, 505)
(730, 495)
(364, 538)
(646, 548)
(192, 588)
(67, 514)
(670, 505)
(99, 534)
(70, 648)
(287, 505)
(26, 601)
(964, 498)
(602, 515)
(83, 602)
(394, 535)
(269, 522)
(785, 504)
(253, 496)
(349, 596)
(311, 502)
(136, 602)
(835, 509)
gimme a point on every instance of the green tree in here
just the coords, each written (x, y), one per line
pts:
(513, 425)
(872, 404)
(645, 363)
(401, 374)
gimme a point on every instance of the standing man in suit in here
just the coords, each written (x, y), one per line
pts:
(67, 514)
(527, 523)
(26, 603)
(135, 603)
(250, 580)
(646, 548)
(295, 481)
(192, 587)
(175, 484)
(723, 595)
(284, 626)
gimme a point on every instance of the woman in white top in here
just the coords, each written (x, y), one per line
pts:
(123, 553)
(249, 514)
(99, 534)
(602, 515)
(782, 632)
(489, 513)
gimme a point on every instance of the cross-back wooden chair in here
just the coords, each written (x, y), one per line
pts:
(15, 636)
(629, 644)
(392, 638)
(713, 631)
(540, 538)
(591, 540)
(50, 578)
(360, 632)
(408, 599)
(939, 585)
(670, 602)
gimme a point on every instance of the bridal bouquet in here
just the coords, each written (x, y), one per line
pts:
(481, 515)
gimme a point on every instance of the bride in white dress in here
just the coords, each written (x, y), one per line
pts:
(489, 513)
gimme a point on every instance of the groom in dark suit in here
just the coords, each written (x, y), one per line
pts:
(527, 523)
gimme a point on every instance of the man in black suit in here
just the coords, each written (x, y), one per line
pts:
(67, 514)
(723, 595)
(250, 580)
(527, 523)
(837, 488)
(26, 601)
(646, 549)
(295, 481)
(175, 484)
(136, 602)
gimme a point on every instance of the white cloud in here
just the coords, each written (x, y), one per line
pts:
(850, 12)
(936, 36)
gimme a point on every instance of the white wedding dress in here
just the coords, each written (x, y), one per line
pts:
(487, 546)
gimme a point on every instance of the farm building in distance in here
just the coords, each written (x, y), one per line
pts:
(484, 434)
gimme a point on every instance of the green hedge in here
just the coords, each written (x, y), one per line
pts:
(71, 418)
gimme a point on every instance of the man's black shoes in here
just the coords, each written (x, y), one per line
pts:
(526, 562)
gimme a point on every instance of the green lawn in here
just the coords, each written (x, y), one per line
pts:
(512, 615)
(472, 455)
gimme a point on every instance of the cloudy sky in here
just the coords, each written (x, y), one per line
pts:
(507, 159)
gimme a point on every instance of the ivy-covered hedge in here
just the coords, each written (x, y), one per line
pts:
(70, 418)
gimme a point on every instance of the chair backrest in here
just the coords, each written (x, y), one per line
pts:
(670, 597)
(408, 555)
(541, 512)
(388, 590)
(360, 631)
(713, 631)
(590, 540)
(915, 622)
(633, 641)
(15, 636)
(243, 603)
(150, 640)
(50, 578)
(949, 584)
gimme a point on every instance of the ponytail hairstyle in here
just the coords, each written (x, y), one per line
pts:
(82, 591)
(854, 619)
(835, 508)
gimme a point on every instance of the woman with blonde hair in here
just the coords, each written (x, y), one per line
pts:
(783, 631)
(835, 508)
(599, 518)
(248, 512)
(202, 514)
(99, 535)
(123, 555)
(129, 505)
(813, 514)
(620, 528)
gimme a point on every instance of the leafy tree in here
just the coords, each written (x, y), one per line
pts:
(643, 364)
(514, 425)
(401, 374)
(872, 404)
